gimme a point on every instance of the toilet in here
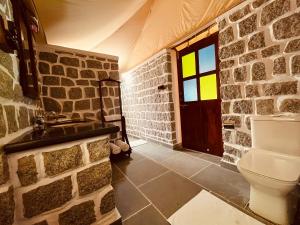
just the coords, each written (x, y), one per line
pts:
(272, 167)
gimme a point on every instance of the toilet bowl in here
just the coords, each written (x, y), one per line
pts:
(272, 177)
(272, 167)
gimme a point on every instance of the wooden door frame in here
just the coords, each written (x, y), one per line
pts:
(212, 39)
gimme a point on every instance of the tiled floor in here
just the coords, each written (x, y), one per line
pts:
(156, 181)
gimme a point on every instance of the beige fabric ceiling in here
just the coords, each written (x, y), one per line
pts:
(131, 29)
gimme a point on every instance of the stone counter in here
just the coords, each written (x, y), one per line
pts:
(65, 183)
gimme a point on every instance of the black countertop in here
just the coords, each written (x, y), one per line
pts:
(57, 135)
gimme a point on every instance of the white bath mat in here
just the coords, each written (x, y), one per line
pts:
(206, 209)
(137, 142)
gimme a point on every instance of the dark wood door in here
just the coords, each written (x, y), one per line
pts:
(200, 103)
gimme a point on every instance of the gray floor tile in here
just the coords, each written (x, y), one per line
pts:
(124, 162)
(148, 216)
(169, 192)
(116, 174)
(211, 158)
(128, 199)
(142, 171)
(230, 185)
(156, 152)
(185, 164)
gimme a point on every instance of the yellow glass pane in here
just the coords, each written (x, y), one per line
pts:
(208, 87)
(188, 65)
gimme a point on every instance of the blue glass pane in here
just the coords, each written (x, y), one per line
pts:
(207, 59)
(190, 90)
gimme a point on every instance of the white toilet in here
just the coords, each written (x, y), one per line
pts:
(272, 166)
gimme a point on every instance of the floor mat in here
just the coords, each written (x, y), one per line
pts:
(207, 209)
(137, 142)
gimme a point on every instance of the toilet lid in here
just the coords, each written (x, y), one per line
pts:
(272, 165)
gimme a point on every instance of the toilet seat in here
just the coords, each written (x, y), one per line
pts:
(275, 166)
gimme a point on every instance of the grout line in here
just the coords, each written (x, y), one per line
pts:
(154, 178)
(199, 171)
(143, 193)
(137, 212)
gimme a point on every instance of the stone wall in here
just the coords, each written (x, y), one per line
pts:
(260, 73)
(149, 111)
(63, 184)
(70, 78)
(16, 112)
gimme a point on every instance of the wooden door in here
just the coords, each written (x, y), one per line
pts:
(200, 103)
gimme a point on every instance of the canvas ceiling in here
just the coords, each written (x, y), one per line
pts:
(131, 29)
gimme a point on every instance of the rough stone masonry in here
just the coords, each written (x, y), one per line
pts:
(259, 62)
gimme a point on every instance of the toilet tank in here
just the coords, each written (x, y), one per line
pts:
(276, 133)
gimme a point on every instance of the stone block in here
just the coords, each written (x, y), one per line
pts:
(106, 66)
(57, 92)
(114, 66)
(108, 103)
(280, 88)
(94, 64)
(240, 13)
(89, 92)
(4, 170)
(68, 106)
(232, 151)
(272, 50)
(248, 25)
(47, 197)
(243, 107)
(6, 85)
(44, 68)
(57, 162)
(7, 206)
(107, 202)
(226, 64)
(102, 75)
(231, 92)
(27, 171)
(72, 72)
(94, 178)
(58, 70)
(10, 118)
(48, 56)
(68, 61)
(222, 24)
(98, 150)
(274, 10)
(82, 214)
(251, 91)
(82, 82)
(96, 103)
(258, 3)
(293, 46)
(279, 66)
(6, 61)
(23, 117)
(51, 105)
(226, 36)
(75, 93)
(3, 128)
(257, 41)
(243, 139)
(282, 31)
(248, 57)
(114, 75)
(87, 74)
(236, 119)
(265, 106)
(296, 64)
(234, 49)
(67, 82)
(240, 74)
(50, 80)
(290, 105)
(258, 71)
(82, 105)
(225, 107)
